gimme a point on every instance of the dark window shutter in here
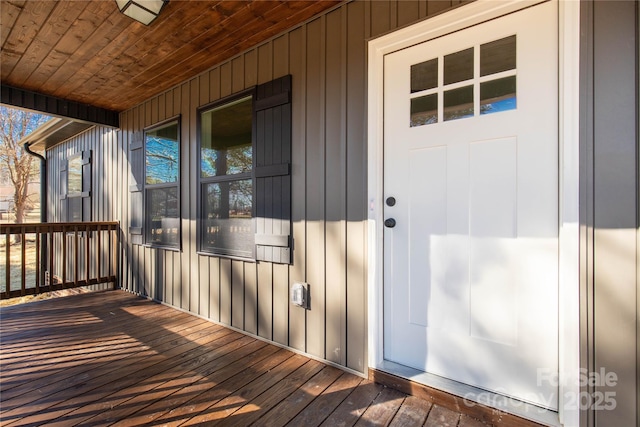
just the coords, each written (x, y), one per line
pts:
(86, 185)
(63, 191)
(136, 162)
(272, 160)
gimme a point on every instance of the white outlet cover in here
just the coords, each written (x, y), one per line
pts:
(299, 294)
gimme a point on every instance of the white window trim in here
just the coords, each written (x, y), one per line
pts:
(569, 66)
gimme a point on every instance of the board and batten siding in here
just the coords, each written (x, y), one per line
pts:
(107, 204)
(326, 57)
(610, 208)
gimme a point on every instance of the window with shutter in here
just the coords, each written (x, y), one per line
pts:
(75, 176)
(161, 185)
(136, 186)
(154, 157)
(272, 114)
(245, 174)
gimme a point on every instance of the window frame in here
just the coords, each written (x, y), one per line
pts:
(75, 201)
(76, 156)
(203, 181)
(150, 187)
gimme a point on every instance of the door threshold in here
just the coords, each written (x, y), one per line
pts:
(493, 408)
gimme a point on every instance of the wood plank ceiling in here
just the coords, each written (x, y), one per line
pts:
(88, 52)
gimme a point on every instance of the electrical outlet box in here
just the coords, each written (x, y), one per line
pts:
(300, 295)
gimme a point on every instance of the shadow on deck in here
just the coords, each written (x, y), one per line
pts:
(111, 358)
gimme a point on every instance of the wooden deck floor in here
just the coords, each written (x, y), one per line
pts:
(111, 358)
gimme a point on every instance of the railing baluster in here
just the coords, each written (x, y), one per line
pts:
(110, 252)
(99, 272)
(23, 270)
(51, 257)
(8, 265)
(37, 262)
(51, 251)
(119, 254)
(64, 258)
(87, 251)
(76, 256)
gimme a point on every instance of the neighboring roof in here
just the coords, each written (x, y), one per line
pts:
(52, 132)
(90, 53)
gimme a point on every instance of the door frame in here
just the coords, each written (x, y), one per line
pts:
(568, 192)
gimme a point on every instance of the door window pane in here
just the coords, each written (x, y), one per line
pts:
(458, 66)
(226, 145)
(458, 103)
(161, 154)
(163, 222)
(424, 110)
(227, 218)
(424, 75)
(498, 95)
(498, 56)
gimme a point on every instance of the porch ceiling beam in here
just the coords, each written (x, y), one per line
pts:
(59, 107)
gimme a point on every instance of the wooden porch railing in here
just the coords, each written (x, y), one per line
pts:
(45, 257)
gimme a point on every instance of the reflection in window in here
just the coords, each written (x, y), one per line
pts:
(496, 83)
(424, 110)
(77, 175)
(458, 66)
(163, 220)
(226, 146)
(498, 56)
(498, 95)
(161, 154)
(75, 209)
(424, 75)
(227, 218)
(458, 103)
(162, 196)
(74, 175)
(226, 177)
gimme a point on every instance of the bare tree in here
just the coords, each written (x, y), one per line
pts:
(18, 164)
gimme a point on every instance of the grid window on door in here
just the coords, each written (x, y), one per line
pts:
(468, 83)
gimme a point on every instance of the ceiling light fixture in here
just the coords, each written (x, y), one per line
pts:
(144, 11)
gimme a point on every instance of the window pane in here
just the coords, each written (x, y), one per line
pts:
(74, 175)
(161, 154)
(458, 103)
(498, 56)
(424, 75)
(75, 209)
(458, 66)
(225, 145)
(424, 110)
(227, 222)
(498, 95)
(163, 222)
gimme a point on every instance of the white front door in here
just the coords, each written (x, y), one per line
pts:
(471, 183)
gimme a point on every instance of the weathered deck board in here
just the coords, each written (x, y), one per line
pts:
(442, 417)
(413, 412)
(383, 409)
(111, 358)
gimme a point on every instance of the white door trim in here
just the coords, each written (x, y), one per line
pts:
(569, 62)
